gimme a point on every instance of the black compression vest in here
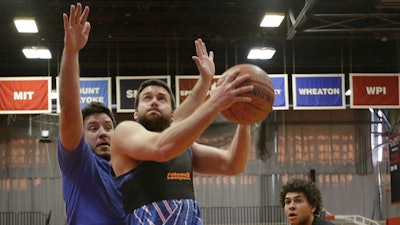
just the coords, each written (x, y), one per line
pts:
(152, 181)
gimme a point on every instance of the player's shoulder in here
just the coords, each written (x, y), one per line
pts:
(127, 124)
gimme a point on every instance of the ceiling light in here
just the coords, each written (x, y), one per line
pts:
(272, 20)
(36, 53)
(261, 53)
(26, 25)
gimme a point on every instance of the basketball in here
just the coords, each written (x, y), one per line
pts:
(263, 97)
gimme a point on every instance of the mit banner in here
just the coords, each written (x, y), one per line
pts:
(25, 95)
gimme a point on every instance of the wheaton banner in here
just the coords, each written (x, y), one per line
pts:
(318, 91)
(25, 95)
(374, 90)
(127, 87)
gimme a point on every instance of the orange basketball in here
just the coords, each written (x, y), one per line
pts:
(263, 97)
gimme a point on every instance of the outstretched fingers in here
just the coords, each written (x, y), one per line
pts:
(78, 13)
(84, 16)
(211, 55)
(199, 47)
(66, 24)
(71, 15)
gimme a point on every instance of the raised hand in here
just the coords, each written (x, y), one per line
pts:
(204, 61)
(76, 28)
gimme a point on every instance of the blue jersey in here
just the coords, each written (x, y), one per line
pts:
(167, 212)
(88, 186)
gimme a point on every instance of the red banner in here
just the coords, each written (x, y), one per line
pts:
(184, 85)
(25, 95)
(374, 91)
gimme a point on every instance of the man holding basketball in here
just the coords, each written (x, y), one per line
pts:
(154, 156)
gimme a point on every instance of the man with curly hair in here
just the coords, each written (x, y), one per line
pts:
(302, 202)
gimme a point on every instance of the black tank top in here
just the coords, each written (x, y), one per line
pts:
(153, 181)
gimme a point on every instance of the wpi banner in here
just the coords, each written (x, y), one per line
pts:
(280, 82)
(25, 95)
(318, 91)
(94, 89)
(185, 84)
(127, 88)
(394, 159)
(374, 90)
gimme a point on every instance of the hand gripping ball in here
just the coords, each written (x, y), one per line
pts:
(263, 97)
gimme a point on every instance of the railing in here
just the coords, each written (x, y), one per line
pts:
(24, 218)
(243, 215)
(355, 219)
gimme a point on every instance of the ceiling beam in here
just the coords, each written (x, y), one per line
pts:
(300, 19)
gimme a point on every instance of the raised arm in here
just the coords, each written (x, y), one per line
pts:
(76, 29)
(206, 67)
(211, 160)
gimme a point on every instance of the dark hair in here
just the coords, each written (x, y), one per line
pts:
(97, 107)
(308, 188)
(155, 82)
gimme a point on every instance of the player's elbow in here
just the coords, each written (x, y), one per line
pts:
(163, 155)
(235, 170)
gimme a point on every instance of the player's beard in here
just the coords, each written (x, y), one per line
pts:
(155, 123)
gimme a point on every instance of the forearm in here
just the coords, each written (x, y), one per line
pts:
(240, 148)
(194, 99)
(69, 95)
(69, 81)
(178, 138)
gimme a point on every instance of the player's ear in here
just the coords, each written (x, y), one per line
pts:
(135, 115)
(173, 116)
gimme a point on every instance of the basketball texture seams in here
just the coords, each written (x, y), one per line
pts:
(262, 97)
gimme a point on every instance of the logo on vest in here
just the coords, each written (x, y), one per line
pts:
(178, 176)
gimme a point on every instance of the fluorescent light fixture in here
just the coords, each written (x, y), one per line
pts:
(272, 20)
(261, 53)
(26, 25)
(36, 53)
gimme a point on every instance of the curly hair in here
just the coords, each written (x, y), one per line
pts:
(308, 188)
(97, 107)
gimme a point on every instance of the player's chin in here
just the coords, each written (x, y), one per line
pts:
(292, 219)
(153, 113)
(103, 151)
